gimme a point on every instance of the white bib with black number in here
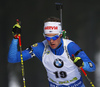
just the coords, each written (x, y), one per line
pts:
(60, 70)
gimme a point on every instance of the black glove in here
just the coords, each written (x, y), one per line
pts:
(78, 62)
(16, 30)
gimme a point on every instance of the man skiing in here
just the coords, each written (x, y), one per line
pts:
(56, 55)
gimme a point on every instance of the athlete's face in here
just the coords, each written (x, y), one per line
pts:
(54, 40)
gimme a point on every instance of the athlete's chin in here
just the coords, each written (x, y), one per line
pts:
(53, 46)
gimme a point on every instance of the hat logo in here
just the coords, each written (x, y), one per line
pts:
(51, 28)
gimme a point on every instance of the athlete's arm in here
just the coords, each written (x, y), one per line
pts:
(14, 54)
(73, 48)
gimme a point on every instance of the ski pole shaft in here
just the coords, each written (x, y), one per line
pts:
(85, 74)
(87, 77)
(22, 64)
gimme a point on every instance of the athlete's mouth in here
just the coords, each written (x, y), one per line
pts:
(52, 44)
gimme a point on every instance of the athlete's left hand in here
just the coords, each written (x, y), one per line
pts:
(78, 62)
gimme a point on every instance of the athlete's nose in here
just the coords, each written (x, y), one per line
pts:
(51, 40)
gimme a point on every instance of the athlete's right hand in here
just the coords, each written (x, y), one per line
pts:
(16, 30)
(78, 62)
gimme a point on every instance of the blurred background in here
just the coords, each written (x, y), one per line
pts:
(81, 20)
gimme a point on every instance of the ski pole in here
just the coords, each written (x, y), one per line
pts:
(22, 64)
(85, 73)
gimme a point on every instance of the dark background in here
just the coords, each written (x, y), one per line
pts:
(81, 20)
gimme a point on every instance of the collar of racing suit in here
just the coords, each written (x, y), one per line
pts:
(59, 50)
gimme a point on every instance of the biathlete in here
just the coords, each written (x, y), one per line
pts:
(55, 53)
